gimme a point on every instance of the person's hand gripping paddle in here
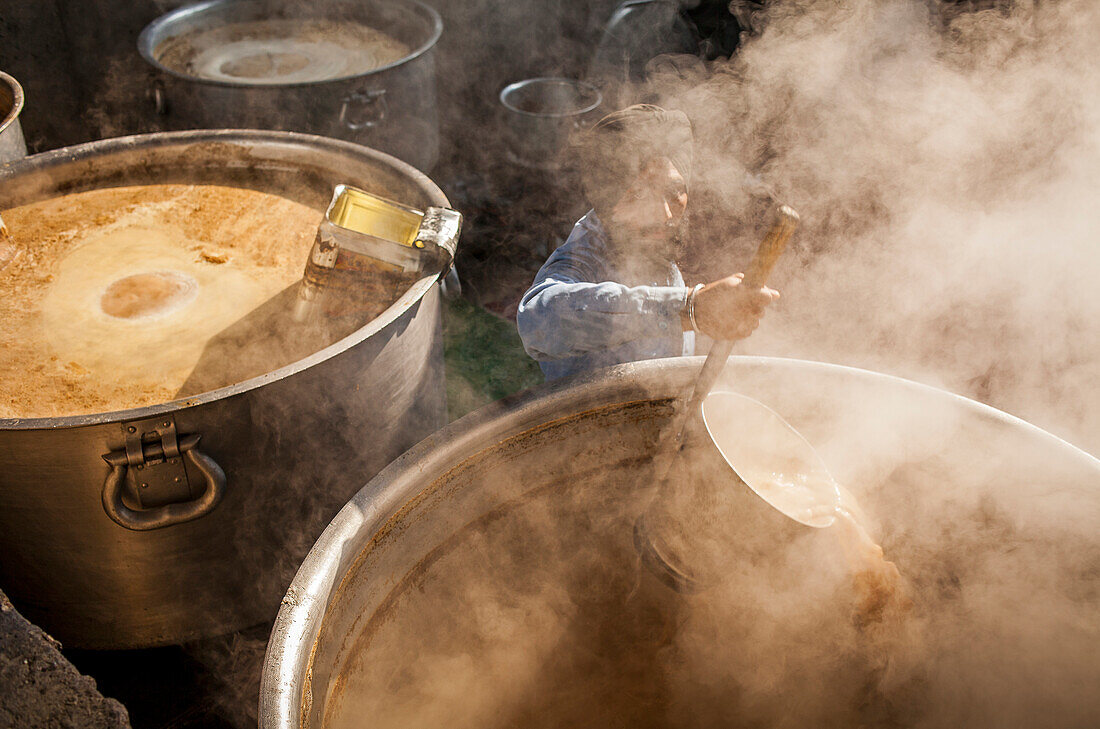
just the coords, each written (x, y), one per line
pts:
(766, 453)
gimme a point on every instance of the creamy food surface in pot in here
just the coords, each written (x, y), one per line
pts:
(131, 296)
(281, 51)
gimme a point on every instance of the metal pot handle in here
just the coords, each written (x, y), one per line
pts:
(370, 109)
(169, 514)
(159, 97)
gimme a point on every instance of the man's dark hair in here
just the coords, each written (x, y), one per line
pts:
(613, 152)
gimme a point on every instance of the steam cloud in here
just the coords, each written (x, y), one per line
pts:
(946, 166)
(538, 614)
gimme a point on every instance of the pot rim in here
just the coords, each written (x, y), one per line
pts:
(583, 85)
(287, 666)
(76, 153)
(17, 101)
(150, 38)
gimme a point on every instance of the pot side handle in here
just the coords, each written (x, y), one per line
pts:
(169, 514)
(158, 95)
(364, 109)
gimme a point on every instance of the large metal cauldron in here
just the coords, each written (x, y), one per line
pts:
(487, 577)
(392, 108)
(293, 443)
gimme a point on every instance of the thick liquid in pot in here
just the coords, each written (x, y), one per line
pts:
(131, 296)
(287, 51)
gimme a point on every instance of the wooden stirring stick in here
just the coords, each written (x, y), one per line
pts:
(756, 275)
(657, 520)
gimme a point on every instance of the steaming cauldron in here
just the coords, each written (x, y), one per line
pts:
(486, 578)
(391, 108)
(293, 443)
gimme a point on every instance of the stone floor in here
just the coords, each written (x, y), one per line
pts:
(40, 688)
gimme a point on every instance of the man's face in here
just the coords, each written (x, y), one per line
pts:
(647, 218)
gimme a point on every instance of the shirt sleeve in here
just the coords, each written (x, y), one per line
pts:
(565, 313)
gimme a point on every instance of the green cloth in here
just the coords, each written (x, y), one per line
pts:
(483, 357)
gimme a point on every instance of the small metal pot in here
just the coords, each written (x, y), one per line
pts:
(12, 144)
(268, 460)
(541, 114)
(392, 109)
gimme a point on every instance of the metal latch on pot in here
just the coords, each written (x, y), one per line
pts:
(156, 474)
(151, 469)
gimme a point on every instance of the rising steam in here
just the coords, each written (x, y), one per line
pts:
(946, 165)
(539, 614)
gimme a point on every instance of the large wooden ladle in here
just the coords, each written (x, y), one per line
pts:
(659, 533)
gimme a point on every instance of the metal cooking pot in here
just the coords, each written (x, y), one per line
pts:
(292, 444)
(12, 144)
(392, 108)
(541, 114)
(947, 480)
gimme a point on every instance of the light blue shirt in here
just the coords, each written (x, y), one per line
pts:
(585, 310)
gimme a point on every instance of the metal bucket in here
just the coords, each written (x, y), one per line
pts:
(452, 584)
(392, 108)
(293, 444)
(12, 144)
(541, 114)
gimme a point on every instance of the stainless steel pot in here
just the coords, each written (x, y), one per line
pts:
(12, 144)
(563, 467)
(286, 448)
(541, 114)
(392, 108)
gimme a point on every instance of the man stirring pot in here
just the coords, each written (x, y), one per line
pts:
(613, 292)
